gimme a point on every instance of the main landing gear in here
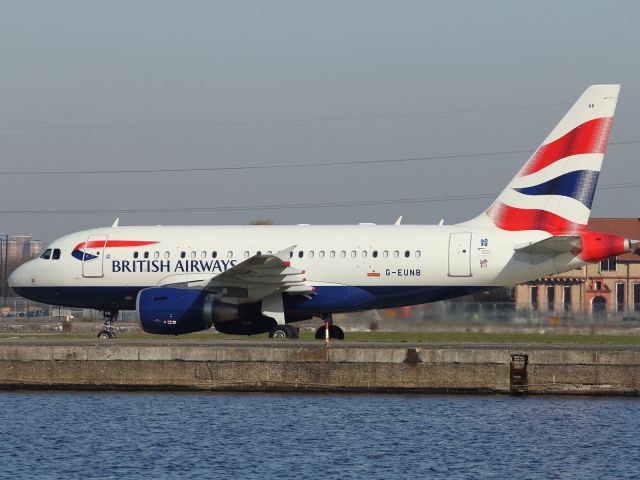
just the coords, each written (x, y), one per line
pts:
(108, 326)
(281, 332)
(329, 331)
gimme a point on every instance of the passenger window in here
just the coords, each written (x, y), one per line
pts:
(183, 254)
(418, 253)
(407, 253)
(146, 254)
(291, 254)
(385, 254)
(364, 254)
(135, 254)
(300, 254)
(229, 254)
(214, 254)
(56, 254)
(375, 254)
(353, 254)
(246, 254)
(156, 254)
(311, 254)
(321, 254)
(332, 254)
(258, 252)
(343, 254)
(193, 254)
(167, 254)
(203, 254)
(396, 254)
(46, 254)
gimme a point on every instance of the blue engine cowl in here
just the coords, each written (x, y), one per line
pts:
(174, 311)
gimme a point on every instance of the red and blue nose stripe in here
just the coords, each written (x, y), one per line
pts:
(79, 253)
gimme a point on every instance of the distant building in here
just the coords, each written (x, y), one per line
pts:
(20, 247)
(611, 286)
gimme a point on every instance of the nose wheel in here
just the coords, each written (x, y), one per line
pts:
(108, 329)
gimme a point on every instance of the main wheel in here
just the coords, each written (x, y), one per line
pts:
(104, 334)
(283, 331)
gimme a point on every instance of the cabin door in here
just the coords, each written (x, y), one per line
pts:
(460, 255)
(93, 256)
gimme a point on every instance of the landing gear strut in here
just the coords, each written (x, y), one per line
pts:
(335, 332)
(108, 328)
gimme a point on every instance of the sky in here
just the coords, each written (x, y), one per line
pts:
(152, 84)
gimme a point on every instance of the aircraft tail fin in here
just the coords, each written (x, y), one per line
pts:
(554, 190)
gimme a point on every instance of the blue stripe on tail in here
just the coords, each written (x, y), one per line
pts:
(580, 185)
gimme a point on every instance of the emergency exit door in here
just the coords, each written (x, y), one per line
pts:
(93, 254)
(460, 255)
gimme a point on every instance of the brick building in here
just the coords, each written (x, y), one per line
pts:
(610, 287)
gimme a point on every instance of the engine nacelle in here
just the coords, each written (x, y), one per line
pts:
(174, 311)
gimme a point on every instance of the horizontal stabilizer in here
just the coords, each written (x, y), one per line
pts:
(551, 246)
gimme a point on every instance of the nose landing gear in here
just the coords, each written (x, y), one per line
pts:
(108, 326)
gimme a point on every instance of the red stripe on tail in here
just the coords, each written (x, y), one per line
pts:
(516, 219)
(590, 137)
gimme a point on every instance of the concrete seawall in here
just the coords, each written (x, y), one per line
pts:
(303, 366)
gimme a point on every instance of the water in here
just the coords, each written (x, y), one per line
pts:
(263, 436)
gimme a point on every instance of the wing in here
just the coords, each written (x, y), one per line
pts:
(551, 246)
(261, 276)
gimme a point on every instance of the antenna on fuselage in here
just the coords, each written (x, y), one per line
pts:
(115, 224)
(399, 220)
(441, 222)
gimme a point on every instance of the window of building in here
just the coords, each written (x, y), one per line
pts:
(566, 297)
(609, 265)
(146, 255)
(214, 254)
(598, 285)
(551, 298)
(46, 255)
(396, 254)
(620, 297)
(534, 297)
(636, 297)
(56, 254)
(135, 254)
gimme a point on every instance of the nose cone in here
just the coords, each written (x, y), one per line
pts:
(20, 277)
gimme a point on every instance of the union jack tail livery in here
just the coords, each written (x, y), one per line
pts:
(554, 190)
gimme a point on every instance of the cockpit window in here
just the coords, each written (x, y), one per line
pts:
(46, 254)
(56, 254)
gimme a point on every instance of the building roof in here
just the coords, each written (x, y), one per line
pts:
(625, 227)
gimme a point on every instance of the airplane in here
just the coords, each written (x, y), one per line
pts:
(262, 278)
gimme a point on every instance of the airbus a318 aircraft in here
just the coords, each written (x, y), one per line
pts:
(256, 279)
